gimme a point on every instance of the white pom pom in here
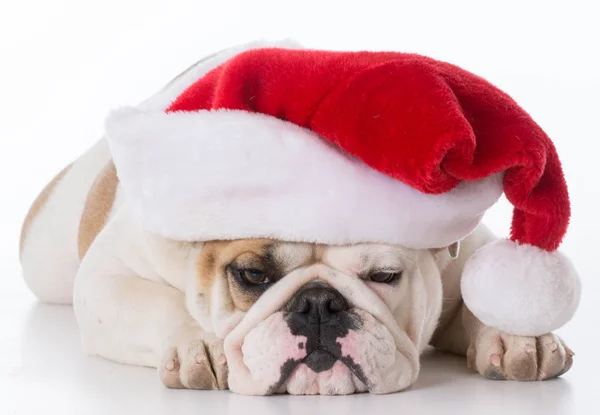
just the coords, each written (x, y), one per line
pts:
(520, 289)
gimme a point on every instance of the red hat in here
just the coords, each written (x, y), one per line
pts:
(352, 147)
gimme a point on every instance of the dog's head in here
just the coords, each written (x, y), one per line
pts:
(310, 319)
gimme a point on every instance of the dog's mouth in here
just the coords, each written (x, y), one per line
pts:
(322, 360)
(324, 332)
(299, 378)
(306, 376)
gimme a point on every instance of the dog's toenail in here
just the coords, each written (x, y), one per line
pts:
(493, 373)
(496, 360)
(170, 365)
(570, 352)
(553, 347)
(529, 348)
(221, 359)
(200, 358)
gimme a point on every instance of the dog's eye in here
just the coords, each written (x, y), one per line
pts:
(385, 277)
(252, 276)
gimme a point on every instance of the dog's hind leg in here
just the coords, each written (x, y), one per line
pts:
(48, 246)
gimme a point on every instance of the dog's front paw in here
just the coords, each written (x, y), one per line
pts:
(500, 356)
(195, 362)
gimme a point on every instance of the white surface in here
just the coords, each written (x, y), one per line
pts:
(44, 371)
(65, 64)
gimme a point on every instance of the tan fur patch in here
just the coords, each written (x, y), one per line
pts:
(98, 205)
(206, 270)
(39, 203)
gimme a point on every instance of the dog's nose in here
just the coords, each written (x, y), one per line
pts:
(318, 302)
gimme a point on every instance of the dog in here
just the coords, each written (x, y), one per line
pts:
(258, 316)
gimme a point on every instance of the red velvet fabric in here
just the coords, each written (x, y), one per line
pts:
(427, 123)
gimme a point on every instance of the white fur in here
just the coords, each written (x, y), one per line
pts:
(520, 289)
(50, 256)
(128, 297)
(257, 176)
(337, 381)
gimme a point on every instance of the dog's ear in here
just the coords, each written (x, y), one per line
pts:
(453, 250)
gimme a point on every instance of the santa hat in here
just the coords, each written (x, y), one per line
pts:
(275, 141)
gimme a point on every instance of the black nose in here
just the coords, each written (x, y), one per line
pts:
(318, 302)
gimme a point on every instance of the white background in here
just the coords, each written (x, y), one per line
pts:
(65, 64)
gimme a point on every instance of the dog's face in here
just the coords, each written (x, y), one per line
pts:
(311, 319)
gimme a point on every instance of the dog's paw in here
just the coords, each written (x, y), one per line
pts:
(196, 363)
(500, 356)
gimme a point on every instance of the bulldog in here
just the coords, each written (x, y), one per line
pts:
(290, 317)
(259, 316)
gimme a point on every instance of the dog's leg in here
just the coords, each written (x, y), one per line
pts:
(498, 355)
(142, 321)
(492, 353)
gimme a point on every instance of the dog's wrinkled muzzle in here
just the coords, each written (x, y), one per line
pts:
(353, 303)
